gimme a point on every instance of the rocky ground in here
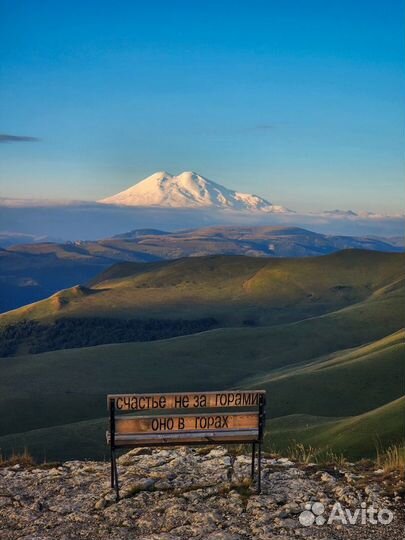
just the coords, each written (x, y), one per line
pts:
(189, 493)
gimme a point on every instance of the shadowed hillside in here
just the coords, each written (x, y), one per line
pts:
(32, 272)
(236, 291)
(324, 369)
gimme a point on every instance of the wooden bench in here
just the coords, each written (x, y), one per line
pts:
(188, 418)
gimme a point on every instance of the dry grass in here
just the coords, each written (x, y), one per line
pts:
(23, 459)
(331, 458)
(300, 453)
(392, 458)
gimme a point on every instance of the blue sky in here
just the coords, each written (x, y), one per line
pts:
(300, 102)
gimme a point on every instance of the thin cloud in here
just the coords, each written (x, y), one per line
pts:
(5, 138)
(259, 128)
(264, 127)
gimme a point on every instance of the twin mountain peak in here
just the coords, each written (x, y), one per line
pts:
(189, 190)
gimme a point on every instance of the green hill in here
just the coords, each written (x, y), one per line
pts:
(70, 386)
(356, 436)
(229, 291)
(373, 373)
(31, 272)
(324, 336)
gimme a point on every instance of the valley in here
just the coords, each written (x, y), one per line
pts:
(323, 335)
(31, 272)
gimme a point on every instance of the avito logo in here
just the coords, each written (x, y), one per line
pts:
(314, 514)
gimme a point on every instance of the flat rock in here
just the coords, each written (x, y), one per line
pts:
(184, 494)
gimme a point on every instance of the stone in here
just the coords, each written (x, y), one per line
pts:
(285, 462)
(100, 504)
(183, 494)
(326, 477)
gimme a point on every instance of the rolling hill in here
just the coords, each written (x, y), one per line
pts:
(355, 436)
(328, 374)
(196, 294)
(32, 272)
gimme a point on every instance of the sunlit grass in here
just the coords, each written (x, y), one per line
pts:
(392, 458)
(306, 454)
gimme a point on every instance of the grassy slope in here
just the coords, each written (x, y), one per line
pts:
(305, 365)
(70, 385)
(232, 289)
(34, 271)
(28, 278)
(79, 440)
(346, 384)
(356, 436)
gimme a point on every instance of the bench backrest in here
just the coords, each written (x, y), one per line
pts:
(186, 418)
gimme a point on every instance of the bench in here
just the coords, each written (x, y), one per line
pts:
(186, 418)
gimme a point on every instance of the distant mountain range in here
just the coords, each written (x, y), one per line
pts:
(189, 190)
(251, 241)
(30, 272)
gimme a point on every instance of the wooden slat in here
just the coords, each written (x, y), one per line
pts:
(179, 438)
(189, 422)
(185, 400)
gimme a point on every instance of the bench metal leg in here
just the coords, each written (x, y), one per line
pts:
(259, 472)
(252, 469)
(117, 489)
(112, 468)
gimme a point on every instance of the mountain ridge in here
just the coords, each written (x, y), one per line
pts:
(34, 271)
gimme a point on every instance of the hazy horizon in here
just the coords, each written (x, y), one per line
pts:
(12, 201)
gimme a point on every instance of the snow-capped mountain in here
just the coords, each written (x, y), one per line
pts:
(188, 190)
